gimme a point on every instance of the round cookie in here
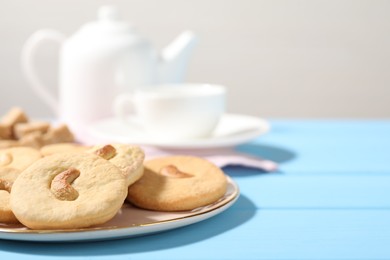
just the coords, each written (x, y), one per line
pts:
(7, 177)
(12, 162)
(62, 148)
(68, 190)
(18, 157)
(128, 158)
(6, 214)
(177, 183)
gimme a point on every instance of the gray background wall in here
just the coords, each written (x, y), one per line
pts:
(309, 58)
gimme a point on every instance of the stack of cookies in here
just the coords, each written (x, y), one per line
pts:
(54, 185)
(74, 188)
(16, 129)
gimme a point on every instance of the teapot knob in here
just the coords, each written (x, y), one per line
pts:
(108, 13)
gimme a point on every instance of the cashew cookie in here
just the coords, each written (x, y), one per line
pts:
(128, 158)
(12, 162)
(68, 190)
(18, 157)
(7, 178)
(177, 183)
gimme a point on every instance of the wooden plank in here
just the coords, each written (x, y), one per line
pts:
(313, 146)
(242, 234)
(273, 190)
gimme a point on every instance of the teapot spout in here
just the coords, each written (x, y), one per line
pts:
(175, 58)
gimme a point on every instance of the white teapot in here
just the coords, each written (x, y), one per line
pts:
(101, 60)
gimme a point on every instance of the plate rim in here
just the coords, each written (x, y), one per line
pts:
(48, 235)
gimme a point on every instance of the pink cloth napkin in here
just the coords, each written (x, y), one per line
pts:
(226, 156)
(219, 156)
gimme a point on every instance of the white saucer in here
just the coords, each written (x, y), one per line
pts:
(233, 129)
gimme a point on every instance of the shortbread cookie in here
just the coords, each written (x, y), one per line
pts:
(68, 190)
(7, 178)
(8, 121)
(128, 158)
(18, 157)
(34, 139)
(17, 130)
(59, 134)
(5, 131)
(8, 143)
(177, 183)
(6, 214)
(23, 129)
(12, 162)
(63, 148)
(14, 115)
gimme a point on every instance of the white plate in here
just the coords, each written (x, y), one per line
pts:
(129, 222)
(232, 130)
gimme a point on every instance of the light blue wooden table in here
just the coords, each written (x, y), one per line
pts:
(329, 200)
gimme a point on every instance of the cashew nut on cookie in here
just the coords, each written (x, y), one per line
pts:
(128, 158)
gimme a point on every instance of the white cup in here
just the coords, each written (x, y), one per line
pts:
(175, 111)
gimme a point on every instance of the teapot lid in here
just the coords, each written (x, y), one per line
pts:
(108, 22)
